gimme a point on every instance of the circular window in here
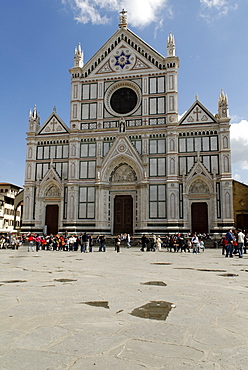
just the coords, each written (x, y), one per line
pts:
(122, 98)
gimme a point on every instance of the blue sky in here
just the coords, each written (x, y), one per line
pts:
(37, 44)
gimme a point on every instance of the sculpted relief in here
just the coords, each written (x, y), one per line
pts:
(123, 173)
(52, 191)
(199, 187)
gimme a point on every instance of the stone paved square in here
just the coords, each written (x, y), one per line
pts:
(67, 310)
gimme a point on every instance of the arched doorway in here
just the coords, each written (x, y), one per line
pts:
(199, 217)
(123, 214)
(51, 220)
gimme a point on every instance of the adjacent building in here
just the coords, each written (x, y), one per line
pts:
(126, 163)
(10, 216)
(240, 205)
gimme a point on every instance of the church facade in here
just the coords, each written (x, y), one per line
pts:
(126, 163)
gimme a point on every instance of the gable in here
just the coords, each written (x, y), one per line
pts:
(123, 52)
(53, 125)
(196, 115)
(121, 60)
(121, 152)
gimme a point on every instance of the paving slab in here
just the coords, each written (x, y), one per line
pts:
(72, 310)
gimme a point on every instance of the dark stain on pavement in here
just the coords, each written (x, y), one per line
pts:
(64, 280)
(103, 304)
(155, 310)
(204, 270)
(13, 281)
(158, 283)
(207, 270)
(119, 311)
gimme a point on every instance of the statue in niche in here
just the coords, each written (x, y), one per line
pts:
(122, 124)
(199, 187)
(53, 191)
(124, 173)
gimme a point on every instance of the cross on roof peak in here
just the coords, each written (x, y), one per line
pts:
(123, 19)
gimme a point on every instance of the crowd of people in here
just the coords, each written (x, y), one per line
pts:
(11, 241)
(232, 243)
(173, 243)
(235, 242)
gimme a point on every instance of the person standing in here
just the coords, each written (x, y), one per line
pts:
(201, 245)
(128, 238)
(229, 247)
(117, 243)
(102, 241)
(31, 240)
(72, 241)
(85, 243)
(153, 242)
(241, 240)
(158, 243)
(195, 243)
(143, 243)
(91, 243)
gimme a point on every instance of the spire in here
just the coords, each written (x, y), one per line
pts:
(33, 115)
(78, 57)
(34, 120)
(35, 112)
(171, 46)
(223, 105)
(123, 19)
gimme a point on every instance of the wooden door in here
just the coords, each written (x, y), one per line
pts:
(52, 213)
(199, 218)
(242, 222)
(123, 214)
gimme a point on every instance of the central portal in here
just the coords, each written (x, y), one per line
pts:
(123, 214)
(52, 213)
(199, 217)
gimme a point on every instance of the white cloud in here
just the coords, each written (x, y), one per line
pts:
(237, 177)
(140, 12)
(213, 9)
(181, 115)
(239, 150)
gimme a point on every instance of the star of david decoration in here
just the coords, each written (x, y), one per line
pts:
(122, 60)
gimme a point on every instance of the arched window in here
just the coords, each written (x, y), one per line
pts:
(172, 145)
(225, 142)
(228, 205)
(27, 207)
(172, 166)
(226, 163)
(30, 152)
(29, 172)
(173, 206)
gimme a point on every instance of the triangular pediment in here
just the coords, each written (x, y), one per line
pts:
(198, 169)
(122, 53)
(199, 181)
(122, 146)
(122, 153)
(53, 125)
(197, 115)
(123, 59)
(51, 176)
